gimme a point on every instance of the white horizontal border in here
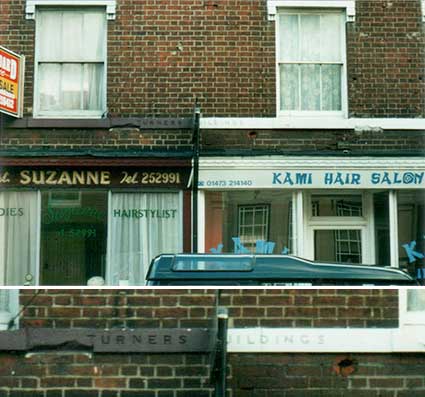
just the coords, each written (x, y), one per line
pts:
(311, 162)
(31, 4)
(292, 172)
(326, 340)
(315, 123)
(348, 5)
(423, 10)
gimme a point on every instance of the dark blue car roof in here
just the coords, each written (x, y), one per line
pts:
(233, 269)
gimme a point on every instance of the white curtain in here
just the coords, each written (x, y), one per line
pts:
(18, 236)
(142, 225)
(71, 53)
(313, 38)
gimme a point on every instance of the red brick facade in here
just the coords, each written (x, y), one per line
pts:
(79, 373)
(161, 56)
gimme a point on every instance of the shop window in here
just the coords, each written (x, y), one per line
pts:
(19, 220)
(248, 221)
(411, 231)
(253, 224)
(9, 307)
(73, 237)
(337, 227)
(70, 71)
(382, 228)
(341, 245)
(143, 225)
(311, 61)
(336, 205)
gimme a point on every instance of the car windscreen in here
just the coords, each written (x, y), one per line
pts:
(212, 263)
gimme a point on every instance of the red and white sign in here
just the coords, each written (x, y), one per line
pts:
(11, 82)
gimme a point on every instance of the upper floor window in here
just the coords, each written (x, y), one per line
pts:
(311, 62)
(70, 67)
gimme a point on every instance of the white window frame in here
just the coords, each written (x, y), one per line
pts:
(30, 6)
(343, 113)
(348, 5)
(410, 318)
(68, 114)
(364, 223)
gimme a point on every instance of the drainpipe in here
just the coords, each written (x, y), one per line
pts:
(196, 150)
(220, 387)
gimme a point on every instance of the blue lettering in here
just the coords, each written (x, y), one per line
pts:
(288, 179)
(276, 180)
(264, 247)
(375, 177)
(355, 179)
(420, 274)
(339, 179)
(397, 181)
(303, 178)
(217, 250)
(411, 254)
(386, 179)
(239, 247)
(328, 178)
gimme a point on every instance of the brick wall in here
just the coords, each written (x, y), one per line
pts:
(163, 55)
(319, 142)
(195, 308)
(79, 374)
(84, 374)
(327, 375)
(92, 140)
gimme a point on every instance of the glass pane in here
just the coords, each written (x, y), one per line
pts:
(73, 237)
(226, 228)
(415, 300)
(92, 87)
(73, 40)
(411, 231)
(212, 263)
(49, 86)
(331, 87)
(71, 86)
(93, 31)
(310, 37)
(289, 87)
(310, 87)
(342, 246)
(143, 226)
(18, 237)
(330, 38)
(336, 205)
(382, 228)
(49, 35)
(289, 38)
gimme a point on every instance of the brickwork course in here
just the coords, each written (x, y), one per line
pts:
(82, 373)
(164, 55)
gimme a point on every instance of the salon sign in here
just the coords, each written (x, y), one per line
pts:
(11, 82)
(57, 177)
(312, 179)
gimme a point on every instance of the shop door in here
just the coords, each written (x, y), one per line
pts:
(73, 236)
(64, 259)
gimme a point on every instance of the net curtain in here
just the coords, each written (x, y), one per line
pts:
(18, 236)
(142, 226)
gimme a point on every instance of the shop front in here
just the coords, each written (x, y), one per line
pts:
(65, 222)
(357, 210)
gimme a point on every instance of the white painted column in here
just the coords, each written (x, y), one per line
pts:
(201, 221)
(394, 254)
